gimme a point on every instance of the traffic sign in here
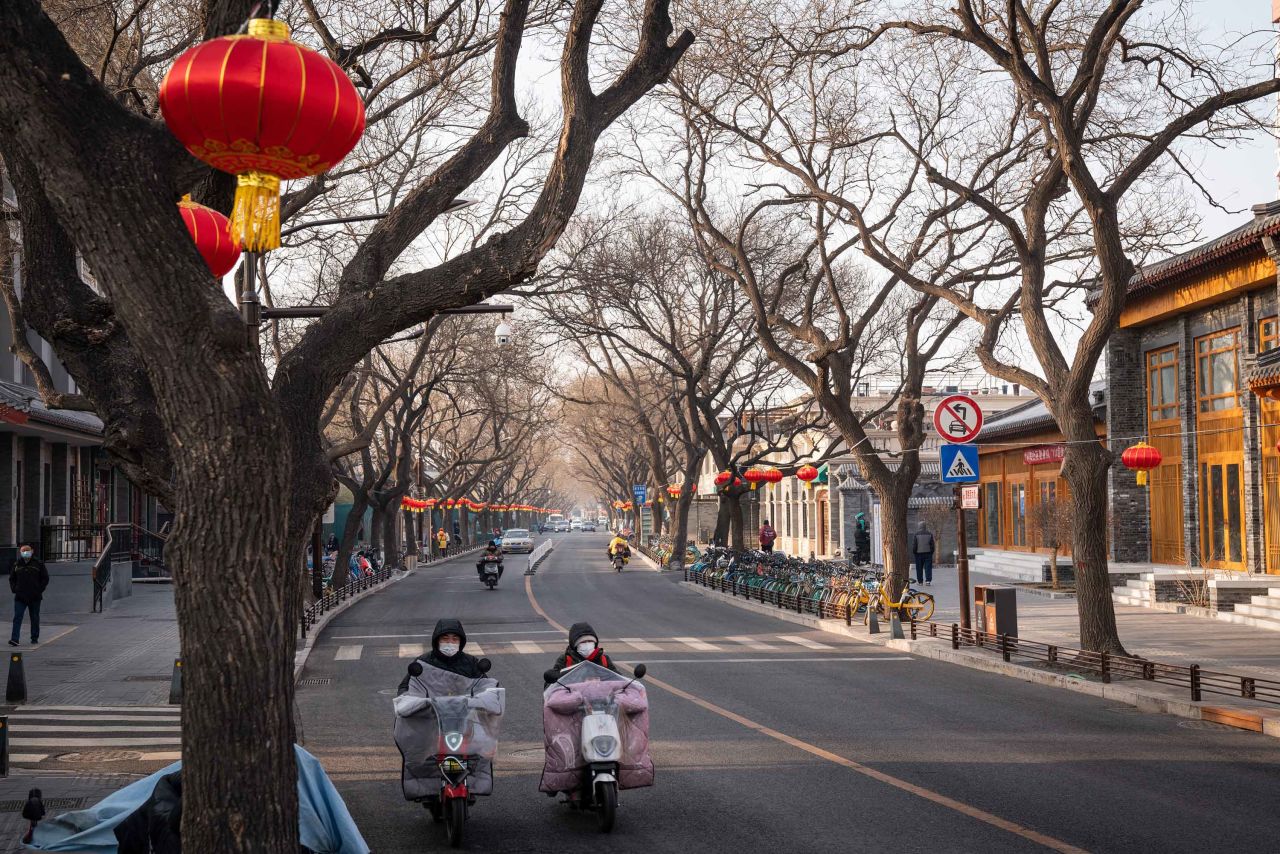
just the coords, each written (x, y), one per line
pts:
(969, 498)
(958, 418)
(959, 463)
(641, 492)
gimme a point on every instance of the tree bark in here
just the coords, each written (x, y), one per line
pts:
(350, 528)
(721, 535)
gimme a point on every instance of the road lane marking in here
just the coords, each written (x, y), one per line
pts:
(30, 714)
(867, 771)
(163, 756)
(641, 645)
(27, 758)
(527, 647)
(114, 709)
(700, 646)
(755, 660)
(20, 727)
(805, 642)
(412, 650)
(752, 643)
(18, 740)
(349, 653)
(474, 649)
(428, 634)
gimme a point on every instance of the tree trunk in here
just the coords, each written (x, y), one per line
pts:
(721, 535)
(375, 532)
(894, 534)
(346, 545)
(390, 539)
(1085, 469)
(737, 527)
(1053, 567)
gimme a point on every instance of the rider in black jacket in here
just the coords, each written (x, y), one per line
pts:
(579, 635)
(448, 632)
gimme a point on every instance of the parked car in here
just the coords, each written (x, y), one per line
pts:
(589, 526)
(517, 540)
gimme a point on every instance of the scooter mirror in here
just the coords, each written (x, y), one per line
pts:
(484, 665)
(640, 671)
(552, 675)
(415, 669)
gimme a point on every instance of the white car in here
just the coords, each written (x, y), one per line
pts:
(575, 525)
(517, 540)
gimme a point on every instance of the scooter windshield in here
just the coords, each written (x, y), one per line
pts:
(589, 671)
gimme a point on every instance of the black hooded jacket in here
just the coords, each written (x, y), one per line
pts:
(462, 664)
(570, 656)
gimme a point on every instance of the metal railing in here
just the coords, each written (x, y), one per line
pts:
(71, 542)
(1193, 678)
(313, 612)
(830, 603)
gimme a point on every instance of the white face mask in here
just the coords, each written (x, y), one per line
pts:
(26, 555)
(449, 650)
(586, 648)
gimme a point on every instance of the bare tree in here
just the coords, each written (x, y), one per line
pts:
(189, 408)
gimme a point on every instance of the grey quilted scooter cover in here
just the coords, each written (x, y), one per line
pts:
(417, 729)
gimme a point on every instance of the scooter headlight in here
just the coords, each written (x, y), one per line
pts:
(453, 740)
(604, 744)
(451, 765)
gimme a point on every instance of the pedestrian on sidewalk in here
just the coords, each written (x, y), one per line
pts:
(28, 579)
(442, 540)
(861, 540)
(924, 546)
(767, 536)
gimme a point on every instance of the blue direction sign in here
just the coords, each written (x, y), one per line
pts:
(641, 493)
(959, 463)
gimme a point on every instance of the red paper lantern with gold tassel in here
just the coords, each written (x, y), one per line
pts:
(265, 109)
(1141, 457)
(211, 233)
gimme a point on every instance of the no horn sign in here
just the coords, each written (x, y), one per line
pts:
(958, 418)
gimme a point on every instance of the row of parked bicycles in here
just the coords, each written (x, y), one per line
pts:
(826, 588)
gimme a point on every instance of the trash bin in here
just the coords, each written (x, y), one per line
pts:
(996, 609)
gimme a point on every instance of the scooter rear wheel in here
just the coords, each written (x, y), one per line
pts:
(455, 815)
(607, 803)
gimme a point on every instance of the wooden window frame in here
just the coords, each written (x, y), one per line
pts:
(1154, 368)
(1234, 349)
(1273, 339)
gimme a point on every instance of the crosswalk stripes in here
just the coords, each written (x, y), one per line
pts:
(412, 650)
(805, 642)
(351, 652)
(527, 647)
(752, 643)
(699, 645)
(37, 733)
(474, 649)
(640, 645)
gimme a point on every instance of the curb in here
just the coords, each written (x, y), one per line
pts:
(300, 657)
(1264, 721)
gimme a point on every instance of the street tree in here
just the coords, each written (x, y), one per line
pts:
(163, 357)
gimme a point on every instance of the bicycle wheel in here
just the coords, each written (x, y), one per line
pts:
(918, 605)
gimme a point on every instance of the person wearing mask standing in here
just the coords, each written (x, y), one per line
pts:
(924, 546)
(28, 579)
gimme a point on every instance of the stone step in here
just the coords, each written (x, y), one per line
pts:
(1249, 620)
(1266, 610)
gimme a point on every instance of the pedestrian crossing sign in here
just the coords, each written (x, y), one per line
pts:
(959, 463)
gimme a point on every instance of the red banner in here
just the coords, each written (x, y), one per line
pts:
(1042, 454)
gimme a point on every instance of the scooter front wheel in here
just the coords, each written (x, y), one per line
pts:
(607, 803)
(455, 815)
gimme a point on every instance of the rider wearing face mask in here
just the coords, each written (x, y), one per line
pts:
(447, 642)
(584, 645)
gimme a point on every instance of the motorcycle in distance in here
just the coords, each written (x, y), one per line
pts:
(490, 570)
(620, 559)
(601, 741)
(448, 760)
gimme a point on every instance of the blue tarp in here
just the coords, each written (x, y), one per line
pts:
(324, 824)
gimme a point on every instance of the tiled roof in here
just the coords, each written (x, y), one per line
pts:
(28, 400)
(1031, 417)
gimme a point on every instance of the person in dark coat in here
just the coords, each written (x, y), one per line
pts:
(861, 540)
(28, 579)
(447, 643)
(584, 645)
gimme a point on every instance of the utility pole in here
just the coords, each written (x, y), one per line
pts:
(962, 556)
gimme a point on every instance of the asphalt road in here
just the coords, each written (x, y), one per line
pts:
(772, 738)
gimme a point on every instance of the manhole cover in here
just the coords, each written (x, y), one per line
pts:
(49, 804)
(103, 755)
(1209, 725)
(315, 680)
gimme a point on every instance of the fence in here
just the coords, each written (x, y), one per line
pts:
(1190, 677)
(71, 542)
(834, 604)
(539, 554)
(312, 613)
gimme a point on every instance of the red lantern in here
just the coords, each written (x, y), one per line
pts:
(722, 478)
(1141, 457)
(263, 108)
(211, 233)
(808, 474)
(755, 476)
(773, 475)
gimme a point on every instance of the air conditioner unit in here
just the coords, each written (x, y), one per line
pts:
(53, 520)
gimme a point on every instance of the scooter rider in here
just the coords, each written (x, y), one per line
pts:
(584, 645)
(619, 545)
(489, 551)
(447, 643)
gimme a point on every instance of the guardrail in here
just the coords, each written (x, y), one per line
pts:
(1191, 677)
(538, 555)
(312, 613)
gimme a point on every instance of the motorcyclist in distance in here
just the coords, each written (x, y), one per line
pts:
(492, 549)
